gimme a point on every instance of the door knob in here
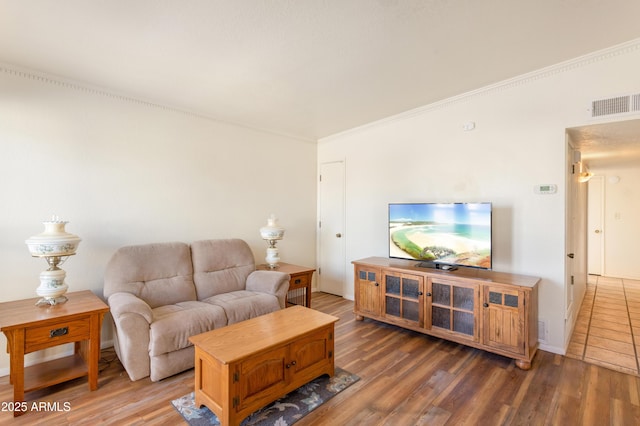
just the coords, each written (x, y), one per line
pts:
(338, 235)
(571, 255)
(597, 231)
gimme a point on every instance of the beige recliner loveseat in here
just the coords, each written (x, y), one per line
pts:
(161, 294)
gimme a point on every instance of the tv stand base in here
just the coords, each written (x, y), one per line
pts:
(434, 265)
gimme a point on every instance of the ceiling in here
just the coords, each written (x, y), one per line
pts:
(607, 145)
(305, 68)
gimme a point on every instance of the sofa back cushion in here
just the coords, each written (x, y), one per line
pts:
(220, 266)
(160, 273)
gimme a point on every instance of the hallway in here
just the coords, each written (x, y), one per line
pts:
(607, 332)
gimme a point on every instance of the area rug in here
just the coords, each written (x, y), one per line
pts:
(285, 411)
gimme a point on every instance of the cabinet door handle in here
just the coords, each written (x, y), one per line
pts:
(376, 284)
(420, 293)
(429, 294)
(485, 304)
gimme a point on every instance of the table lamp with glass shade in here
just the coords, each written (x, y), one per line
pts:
(272, 233)
(55, 245)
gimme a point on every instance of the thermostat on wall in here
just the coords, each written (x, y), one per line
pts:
(545, 188)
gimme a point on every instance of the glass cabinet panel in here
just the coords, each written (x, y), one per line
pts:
(441, 294)
(463, 298)
(392, 306)
(410, 288)
(404, 297)
(392, 284)
(453, 307)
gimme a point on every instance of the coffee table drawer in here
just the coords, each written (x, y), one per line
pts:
(38, 338)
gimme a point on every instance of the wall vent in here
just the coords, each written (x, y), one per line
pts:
(543, 336)
(617, 105)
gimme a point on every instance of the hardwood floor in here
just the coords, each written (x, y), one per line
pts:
(407, 378)
(607, 331)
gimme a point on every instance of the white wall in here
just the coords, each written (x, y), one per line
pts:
(620, 221)
(125, 173)
(519, 141)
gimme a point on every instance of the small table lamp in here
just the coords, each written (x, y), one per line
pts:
(55, 245)
(272, 233)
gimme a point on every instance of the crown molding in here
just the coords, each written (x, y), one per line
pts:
(69, 84)
(579, 62)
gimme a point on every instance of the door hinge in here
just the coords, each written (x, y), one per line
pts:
(330, 354)
(236, 401)
(572, 280)
(573, 169)
(236, 377)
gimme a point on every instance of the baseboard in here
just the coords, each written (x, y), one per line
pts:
(552, 349)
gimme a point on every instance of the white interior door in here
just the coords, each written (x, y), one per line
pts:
(331, 273)
(595, 237)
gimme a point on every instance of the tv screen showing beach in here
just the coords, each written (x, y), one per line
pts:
(449, 233)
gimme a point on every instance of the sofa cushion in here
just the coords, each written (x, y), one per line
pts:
(243, 305)
(160, 274)
(174, 324)
(220, 266)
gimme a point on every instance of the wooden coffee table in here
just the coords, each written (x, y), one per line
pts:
(244, 366)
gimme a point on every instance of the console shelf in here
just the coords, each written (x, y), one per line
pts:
(493, 311)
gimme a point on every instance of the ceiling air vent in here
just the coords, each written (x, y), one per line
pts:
(617, 105)
(635, 103)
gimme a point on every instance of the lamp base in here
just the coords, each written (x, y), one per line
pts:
(272, 258)
(51, 301)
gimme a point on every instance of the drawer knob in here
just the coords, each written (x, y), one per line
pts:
(57, 332)
(297, 281)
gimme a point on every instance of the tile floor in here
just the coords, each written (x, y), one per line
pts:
(607, 331)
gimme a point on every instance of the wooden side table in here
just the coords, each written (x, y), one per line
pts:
(31, 328)
(300, 284)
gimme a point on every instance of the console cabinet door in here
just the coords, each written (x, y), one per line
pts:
(310, 356)
(265, 374)
(368, 292)
(403, 298)
(504, 318)
(453, 307)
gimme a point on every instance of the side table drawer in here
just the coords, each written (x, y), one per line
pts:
(299, 281)
(56, 334)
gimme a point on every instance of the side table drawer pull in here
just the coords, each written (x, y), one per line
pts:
(298, 281)
(59, 332)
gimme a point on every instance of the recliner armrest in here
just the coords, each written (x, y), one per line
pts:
(272, 282)
(132, 318)
(121, 303)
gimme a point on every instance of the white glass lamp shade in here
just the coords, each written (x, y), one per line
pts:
(54, 241)
(54, 245)
(272, 231)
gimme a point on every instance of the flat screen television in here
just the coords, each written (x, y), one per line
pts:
(439, 234)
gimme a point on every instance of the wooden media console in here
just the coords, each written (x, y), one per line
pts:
(493, 311)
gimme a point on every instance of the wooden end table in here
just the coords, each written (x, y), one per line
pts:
(299, 285)
(31, 328)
